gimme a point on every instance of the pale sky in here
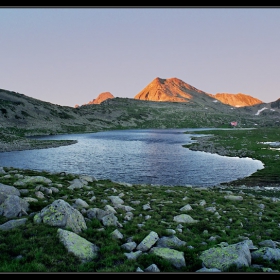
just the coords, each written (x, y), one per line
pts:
(70, 55)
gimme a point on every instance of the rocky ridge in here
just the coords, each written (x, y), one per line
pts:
(100, 98)
(236, 100)
(176, 90)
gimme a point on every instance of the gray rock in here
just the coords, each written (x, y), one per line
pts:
(222, 258)
(234, 197)
(13, 224)
(148, 241)
(13, 207)
(267, 253)
(129, 246)
(116, 234)
(9, 190)
(97, 213)
(80, 203)
(77, 184)
(152, 268)
(170, 242)
(176, 258)
(186, 208)
(116, 199)
(268, 243)
(184, 218)
(110, 220)
(133, 255)
(63, 215)
(80, 247)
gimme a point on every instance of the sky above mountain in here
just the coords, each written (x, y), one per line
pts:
(70, 55)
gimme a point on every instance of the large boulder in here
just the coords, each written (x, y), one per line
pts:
(223, 257)
(176, 258)
(13, 224)
(9, 190)
(148, 241)
(61, 214)
(80, 247)
(13, 206)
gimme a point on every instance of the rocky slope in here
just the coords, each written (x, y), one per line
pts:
(171, 90)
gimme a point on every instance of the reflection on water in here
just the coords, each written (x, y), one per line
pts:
(148, 156)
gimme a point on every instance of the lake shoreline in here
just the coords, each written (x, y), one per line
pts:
(33, 144)
(30, 144)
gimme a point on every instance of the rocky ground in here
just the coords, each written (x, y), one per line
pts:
(29, 144)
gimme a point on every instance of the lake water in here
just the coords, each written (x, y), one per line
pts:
(145, 156)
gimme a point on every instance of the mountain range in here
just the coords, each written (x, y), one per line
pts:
(177, 105)
(176, 90)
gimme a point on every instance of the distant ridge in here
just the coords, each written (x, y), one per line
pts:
(176, 90)
(236, 100)
(100, 98)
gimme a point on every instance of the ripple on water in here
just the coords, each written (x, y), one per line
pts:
(149, 156)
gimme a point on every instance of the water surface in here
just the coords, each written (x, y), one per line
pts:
(144, 156)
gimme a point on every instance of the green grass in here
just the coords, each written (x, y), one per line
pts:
(41, 251)
(246, 143)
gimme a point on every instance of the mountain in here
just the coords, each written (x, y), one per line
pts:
(21, 115)
(100, 98)
(236, 100)
(275, 104)
(170, 90)
(175, 90)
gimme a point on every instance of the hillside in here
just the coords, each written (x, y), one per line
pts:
(22, 116)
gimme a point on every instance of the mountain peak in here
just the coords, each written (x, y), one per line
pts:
(172, 90)
(176, 90)
(100, 98)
